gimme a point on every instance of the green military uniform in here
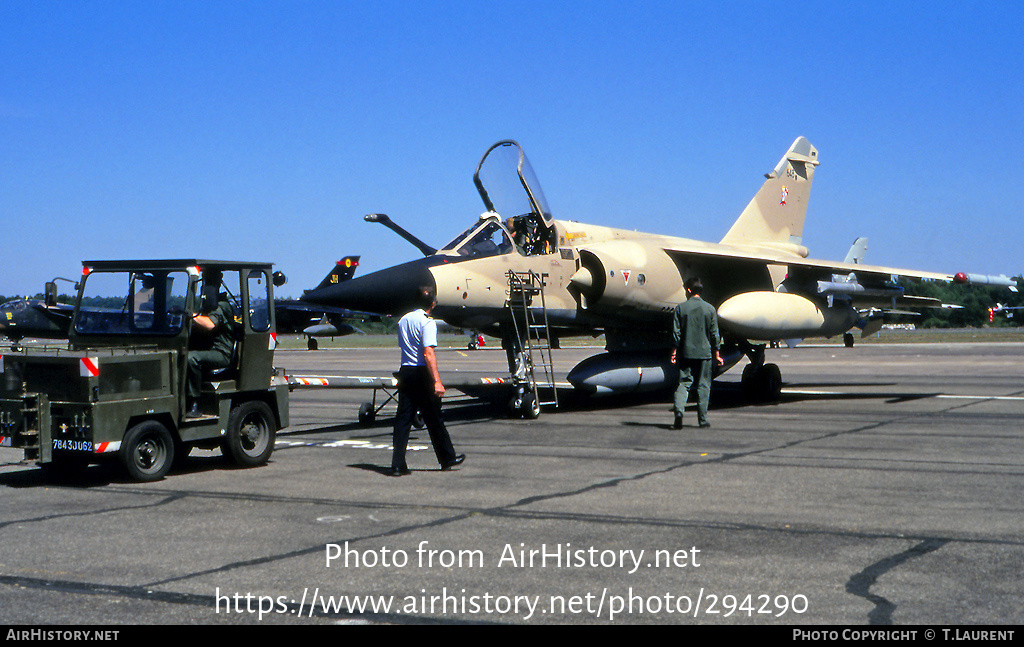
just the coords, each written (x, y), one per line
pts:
(696, 340)
(219, 353)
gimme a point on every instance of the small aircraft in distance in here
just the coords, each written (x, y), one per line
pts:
(36, 318)
(297, 316)
(625, 284)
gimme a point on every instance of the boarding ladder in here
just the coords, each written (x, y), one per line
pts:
(530, 322)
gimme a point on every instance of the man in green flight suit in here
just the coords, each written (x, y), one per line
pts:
(213, 324)
(695, 342)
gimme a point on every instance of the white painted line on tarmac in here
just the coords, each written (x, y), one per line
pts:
(947, 396)
(356, 444)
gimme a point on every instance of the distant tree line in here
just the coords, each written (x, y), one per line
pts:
(976, 301)
(61, 298)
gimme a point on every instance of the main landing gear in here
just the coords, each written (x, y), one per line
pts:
(761, 382)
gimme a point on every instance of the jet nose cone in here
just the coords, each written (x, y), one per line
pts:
(390, 291)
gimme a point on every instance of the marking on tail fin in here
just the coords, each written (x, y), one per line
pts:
(775, 215)
(343, 270)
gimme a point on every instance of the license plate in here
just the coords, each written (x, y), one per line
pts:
(68, 445)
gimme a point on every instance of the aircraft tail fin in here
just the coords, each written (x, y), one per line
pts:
(775, 216)
(857, 251)
(343, 270)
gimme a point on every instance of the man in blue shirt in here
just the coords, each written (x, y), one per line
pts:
(419, 387)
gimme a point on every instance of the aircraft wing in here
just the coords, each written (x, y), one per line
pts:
(298, 316)
(859, 281)
(293, 305)
(768, 256)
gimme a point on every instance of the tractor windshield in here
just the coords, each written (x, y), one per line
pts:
(132, 303)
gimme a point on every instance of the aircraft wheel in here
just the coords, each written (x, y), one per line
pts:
(147, 451)
(515, 404)
(751, 381)
(366, 414)
(762, 384)
(312, 344)
(772, 381)
(530, 406)
(251, 433)
(848, 340)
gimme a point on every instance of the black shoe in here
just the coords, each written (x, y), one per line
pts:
(458, 460)
(397, 471)
(193, 411)
(705, 424)
(678, 422)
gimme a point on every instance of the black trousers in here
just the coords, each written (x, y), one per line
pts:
(416, 393)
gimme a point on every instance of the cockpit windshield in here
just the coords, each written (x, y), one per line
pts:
(487, 238)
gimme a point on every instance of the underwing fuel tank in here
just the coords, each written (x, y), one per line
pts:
(767, 316)
(329, 330)
(629, 372)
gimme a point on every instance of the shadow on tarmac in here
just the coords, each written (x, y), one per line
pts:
(487, 404)
(109, 472)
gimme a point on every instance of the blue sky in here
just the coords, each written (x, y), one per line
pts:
(266, 130)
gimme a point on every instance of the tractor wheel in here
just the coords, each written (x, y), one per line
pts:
(251, 433)
(147, 451)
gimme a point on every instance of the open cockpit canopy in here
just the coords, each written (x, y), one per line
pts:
(517, 216)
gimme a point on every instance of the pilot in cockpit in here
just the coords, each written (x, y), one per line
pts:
(519, 238)
(530, 235)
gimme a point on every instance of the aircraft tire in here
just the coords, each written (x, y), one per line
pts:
(762, 384)
(515, 405)
(366, 414)
(750, 380)
(147, 451)
(251, 433)
(848, 340)
(530, 406)
(772, 380)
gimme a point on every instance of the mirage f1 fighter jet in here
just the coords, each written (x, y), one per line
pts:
(625, 284)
